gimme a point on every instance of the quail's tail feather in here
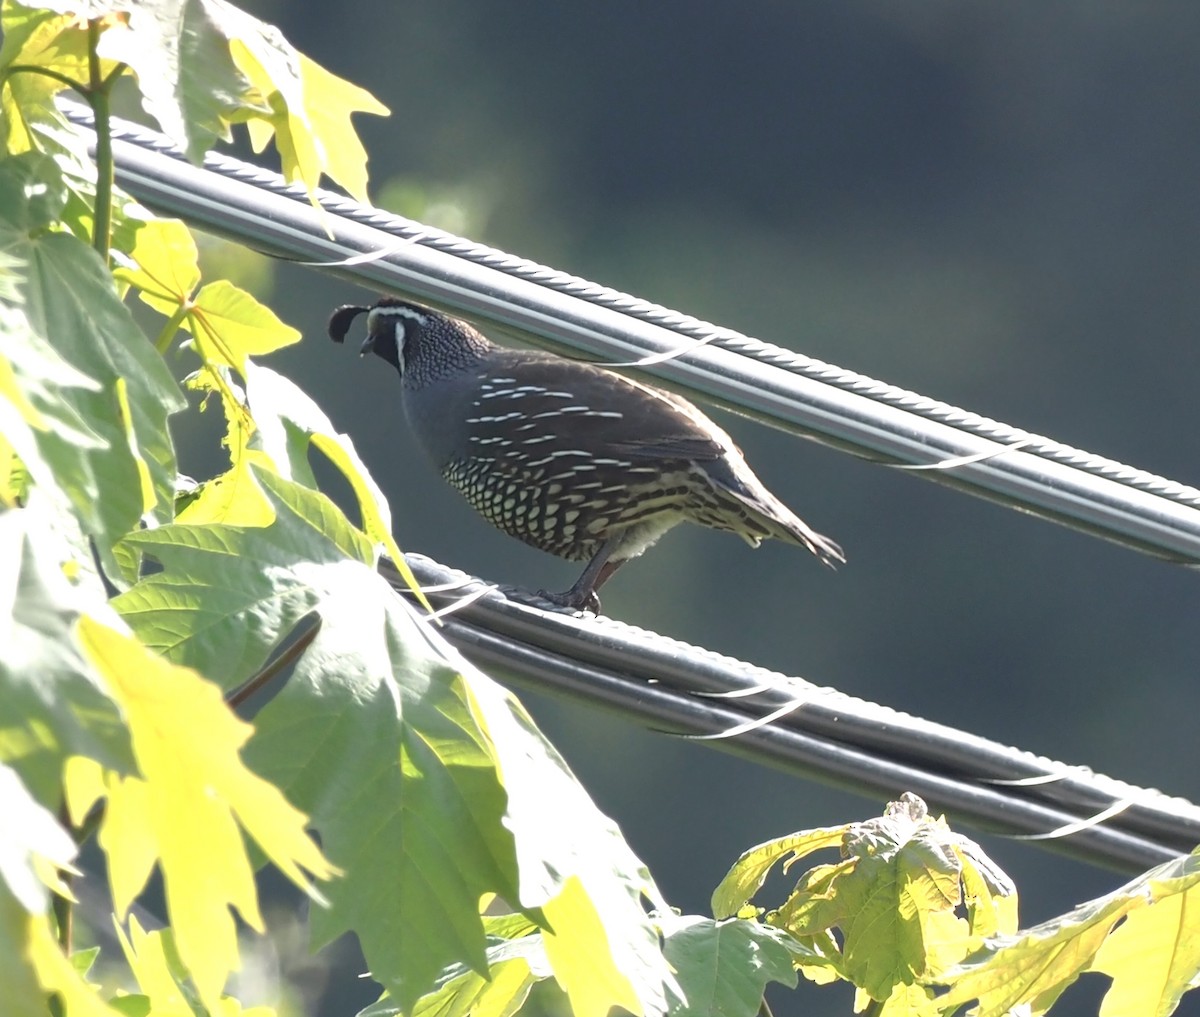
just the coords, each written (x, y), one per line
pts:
(764, 515)
(827, 551)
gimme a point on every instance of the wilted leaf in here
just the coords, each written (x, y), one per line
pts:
(893, 898)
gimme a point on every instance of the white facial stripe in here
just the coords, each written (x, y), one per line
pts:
(379, 317)
(397, 312)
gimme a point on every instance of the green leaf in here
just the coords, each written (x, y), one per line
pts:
(51, 706)
(23, 996)
(184, 70)
(30, 837)
(724, 967)
(131, 1006)
(228, 629)
(289, 423)
(429, 785)
(38, 415)
(515, 965)
(83, 960)
(70, 300)
(32, 194)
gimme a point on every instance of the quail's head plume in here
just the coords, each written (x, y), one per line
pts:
(570, 457)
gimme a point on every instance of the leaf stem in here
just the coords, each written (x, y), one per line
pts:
(97, 94)
(285, 659)
(48, 72)
(163, 342)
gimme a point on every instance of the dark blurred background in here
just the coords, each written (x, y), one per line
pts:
(992, 204)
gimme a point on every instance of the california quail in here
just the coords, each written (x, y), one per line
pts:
(570, 457)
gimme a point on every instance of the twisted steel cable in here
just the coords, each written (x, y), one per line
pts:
(777, 386)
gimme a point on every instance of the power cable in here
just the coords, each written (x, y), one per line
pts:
(780, 720)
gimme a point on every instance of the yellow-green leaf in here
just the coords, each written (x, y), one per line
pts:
(234, 497)
(581, 955)
(336, 149)
(230, 325)
(54, 972)
(288, 422)
(193, 793)
(1153, 957)
(48, 41)
(163, 265)
(749, 872)
(310, 113)
(1036, 966)
(148, 961)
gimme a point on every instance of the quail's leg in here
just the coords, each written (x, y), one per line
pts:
(582, 596)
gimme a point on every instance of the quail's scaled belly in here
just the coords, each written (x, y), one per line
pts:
(539, 513)
(572, 508)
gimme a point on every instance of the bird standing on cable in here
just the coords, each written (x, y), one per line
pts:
(569, 457)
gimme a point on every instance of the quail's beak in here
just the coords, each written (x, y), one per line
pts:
(368, 345)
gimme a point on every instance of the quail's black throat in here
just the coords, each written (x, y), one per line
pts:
(569, 457)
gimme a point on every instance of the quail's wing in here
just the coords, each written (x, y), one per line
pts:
(562, 405)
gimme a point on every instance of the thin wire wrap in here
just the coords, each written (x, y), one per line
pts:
(860, 746)
(781, 388)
